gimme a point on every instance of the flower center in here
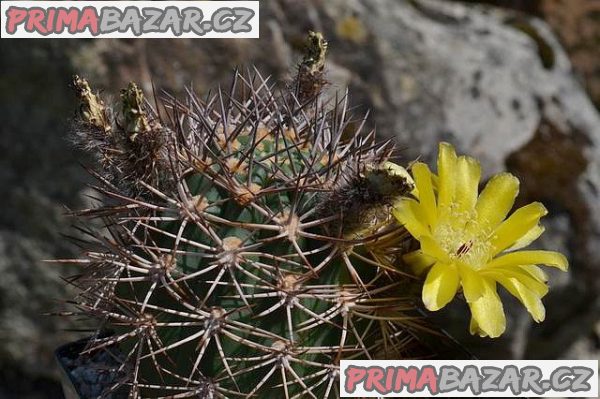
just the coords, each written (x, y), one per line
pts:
(467, 245)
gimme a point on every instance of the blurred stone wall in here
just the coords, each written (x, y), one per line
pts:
(577, 25)
(495, 83)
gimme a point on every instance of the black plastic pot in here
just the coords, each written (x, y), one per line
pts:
(87, 375)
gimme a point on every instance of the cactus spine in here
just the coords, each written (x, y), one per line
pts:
(248, 244)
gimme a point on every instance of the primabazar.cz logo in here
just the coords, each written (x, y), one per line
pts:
(129, 19)
(468, 378)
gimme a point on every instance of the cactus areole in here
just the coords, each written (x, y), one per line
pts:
(247, 244)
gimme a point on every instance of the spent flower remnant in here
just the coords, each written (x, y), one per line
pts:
(467, 241)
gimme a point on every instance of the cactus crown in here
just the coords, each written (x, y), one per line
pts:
(248, 245)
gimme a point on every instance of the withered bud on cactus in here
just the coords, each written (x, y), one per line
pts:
(266, 259)
(92, 109)
(136, 119)
(131, 147)
(311, 71)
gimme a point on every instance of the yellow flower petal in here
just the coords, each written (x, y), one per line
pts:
(528, 238)
(430, 247)
(409, 214)
(488, 311)
(468, 173)
(519, 258)
(426, 197)
(536, 272)
(418, 261)
(474, 328)
(517, 225)
(435, 180)
(446, 165)
(538, 287)
(440, 286)
(471, 282)
(496, 200)
(528, 298)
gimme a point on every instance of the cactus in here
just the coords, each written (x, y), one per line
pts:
(247, 244)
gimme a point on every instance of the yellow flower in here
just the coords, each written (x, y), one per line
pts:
(467, 241)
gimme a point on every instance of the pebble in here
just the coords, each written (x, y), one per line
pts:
(94, 373)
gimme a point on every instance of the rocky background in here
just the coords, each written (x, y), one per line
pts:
(514, 86)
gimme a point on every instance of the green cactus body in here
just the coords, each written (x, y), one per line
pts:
(249, 244)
